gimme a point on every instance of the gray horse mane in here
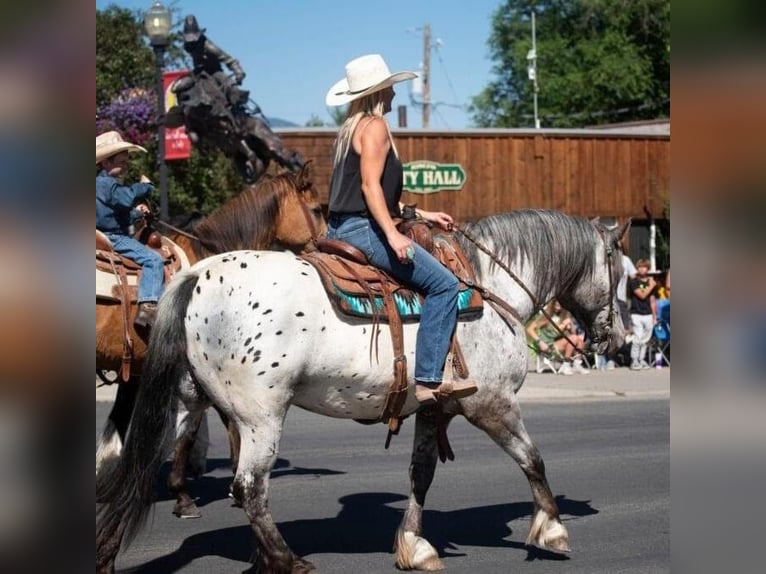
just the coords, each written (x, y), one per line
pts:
(561, 249)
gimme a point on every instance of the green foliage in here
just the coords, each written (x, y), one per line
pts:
(314, 122)
(338, 114)
(337, 117)
(124, 60)
(598, 61)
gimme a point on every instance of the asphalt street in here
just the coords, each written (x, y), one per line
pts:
(337, 495)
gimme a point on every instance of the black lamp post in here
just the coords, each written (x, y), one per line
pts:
(157, 25)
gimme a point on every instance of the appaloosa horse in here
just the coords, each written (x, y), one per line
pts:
(254, 333)
(279, 212)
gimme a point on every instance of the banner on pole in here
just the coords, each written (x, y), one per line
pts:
(177, 143)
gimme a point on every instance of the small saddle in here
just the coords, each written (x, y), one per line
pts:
(118, 276)
(358, 289)
(117, 279)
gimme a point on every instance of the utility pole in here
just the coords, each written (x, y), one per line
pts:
(426, 75)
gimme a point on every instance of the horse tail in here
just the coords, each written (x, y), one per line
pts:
(126, 490)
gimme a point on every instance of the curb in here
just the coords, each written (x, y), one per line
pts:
(620, 383)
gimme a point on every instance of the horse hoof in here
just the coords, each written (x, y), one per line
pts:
(559, 545)
(235, 502)
(188, 510)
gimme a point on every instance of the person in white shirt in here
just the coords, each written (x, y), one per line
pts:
(628, 272)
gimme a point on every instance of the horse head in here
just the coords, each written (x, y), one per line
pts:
(301, 220)
(594, 302)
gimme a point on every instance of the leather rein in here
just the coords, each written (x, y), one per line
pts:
(497, 301)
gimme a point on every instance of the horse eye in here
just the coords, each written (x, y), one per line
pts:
(317, 210)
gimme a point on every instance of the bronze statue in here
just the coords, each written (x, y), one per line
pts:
(216, 111)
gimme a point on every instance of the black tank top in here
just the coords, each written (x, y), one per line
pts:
(346, 195)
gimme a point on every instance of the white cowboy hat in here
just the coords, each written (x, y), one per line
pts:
(364, 75)
(110, 143)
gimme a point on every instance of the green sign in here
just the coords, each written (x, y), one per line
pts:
(429, 177)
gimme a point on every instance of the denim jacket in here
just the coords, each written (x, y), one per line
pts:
(114, 203)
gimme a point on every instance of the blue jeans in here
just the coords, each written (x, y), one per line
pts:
(152, 272)
(440, 287)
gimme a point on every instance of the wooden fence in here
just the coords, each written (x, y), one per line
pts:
(579, 172)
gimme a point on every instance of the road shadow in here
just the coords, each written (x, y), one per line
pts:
(367, 524)
(210, 488)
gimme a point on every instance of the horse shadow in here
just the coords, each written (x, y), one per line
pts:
(208, 489)
(366, 524)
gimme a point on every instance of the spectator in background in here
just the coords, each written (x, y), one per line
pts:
(663, 291)
(643, 313)
(628, 272)
(564, 341)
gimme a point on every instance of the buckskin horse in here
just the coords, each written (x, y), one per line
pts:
(279, 211)
(255, 332)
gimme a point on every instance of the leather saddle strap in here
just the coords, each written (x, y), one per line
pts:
(506, 312)
(127, 346)
(367, 289)
(458, 360)
(397, 393)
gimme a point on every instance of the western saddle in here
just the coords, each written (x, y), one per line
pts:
(356, 288)
(117, 279)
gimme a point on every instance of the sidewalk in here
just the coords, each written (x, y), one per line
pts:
(619, 383)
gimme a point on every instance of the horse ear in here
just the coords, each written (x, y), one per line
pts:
(619, 233)
(304, 178)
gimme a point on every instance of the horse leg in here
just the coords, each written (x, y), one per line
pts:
(251, 485)
(191, 410)
(198, 454)
(113, 436)
(234, 446)
(413, 552)
(234, 439)
(501, 419)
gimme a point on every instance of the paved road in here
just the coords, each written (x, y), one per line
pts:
(337, 495)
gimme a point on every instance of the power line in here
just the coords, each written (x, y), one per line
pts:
(426, 102)
(601, 113)
(437, 47)
(441, 117)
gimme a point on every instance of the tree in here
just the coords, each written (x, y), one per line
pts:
(338, 114)
(598, 61)
(314, 122)
(126, 101)
(123, 59)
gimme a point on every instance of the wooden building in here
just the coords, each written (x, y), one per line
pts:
(608, 173)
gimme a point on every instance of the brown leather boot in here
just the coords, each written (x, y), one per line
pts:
(147, 313)
(426, 393)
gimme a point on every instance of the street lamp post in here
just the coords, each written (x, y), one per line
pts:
(532, 70)
(157, 25)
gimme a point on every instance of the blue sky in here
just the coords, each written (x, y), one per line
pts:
(294, 50)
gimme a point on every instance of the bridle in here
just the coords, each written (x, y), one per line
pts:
(608, 257)
(308, 215)
(306, 210)
(492, 298)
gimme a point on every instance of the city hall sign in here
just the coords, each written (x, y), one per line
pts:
(429, 177)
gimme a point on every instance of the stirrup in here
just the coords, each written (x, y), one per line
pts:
(425, 394)
(456, 390)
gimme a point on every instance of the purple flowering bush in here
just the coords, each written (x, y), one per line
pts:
(133, 113)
